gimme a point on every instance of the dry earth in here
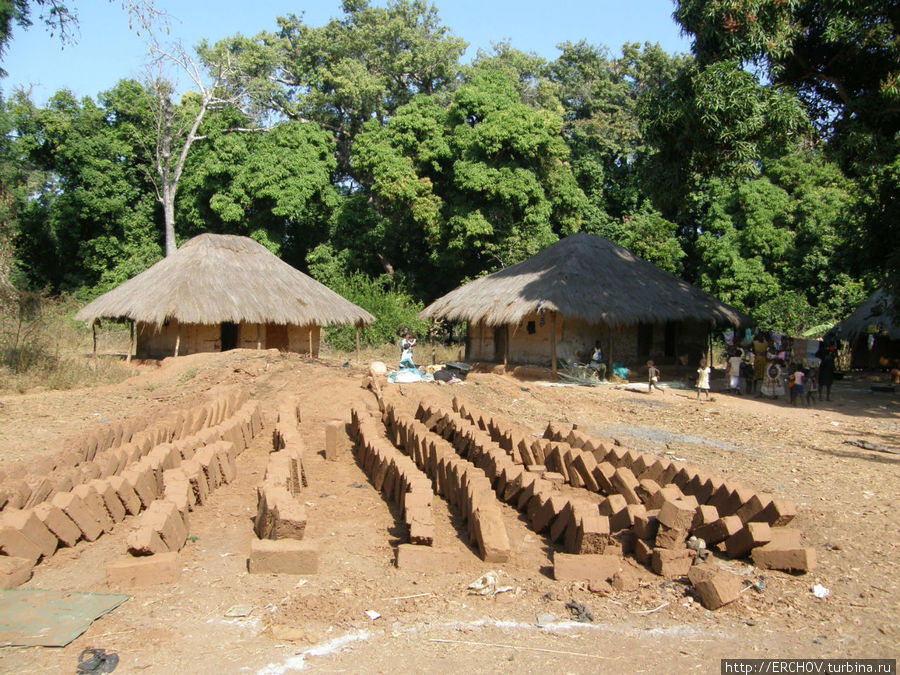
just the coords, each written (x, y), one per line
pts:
(847, 500)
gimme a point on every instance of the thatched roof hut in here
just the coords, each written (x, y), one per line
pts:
(872, 331)
(228, 282)
(588, 281)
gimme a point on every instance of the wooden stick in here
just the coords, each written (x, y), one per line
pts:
(130, 343)
(533, 649)
(407, 597)
(357, 344)
(553, 344)
(651, 611)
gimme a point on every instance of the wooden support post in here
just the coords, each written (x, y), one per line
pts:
(506, 347)
(130, 343)
(310, 340)
(609, 354)
(94, 331)
(553, 344)
(357, 344)
(178, 340)
(258, 336)
(431, 338)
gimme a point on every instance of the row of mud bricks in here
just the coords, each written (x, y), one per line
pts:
(664, 513)
(158, 473)
(280, 546)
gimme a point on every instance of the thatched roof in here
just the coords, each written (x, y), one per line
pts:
(215, 278)
(584, 277)
(877, 311)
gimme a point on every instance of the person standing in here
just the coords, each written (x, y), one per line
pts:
(703, 379)
(652, 376)
(734, 370)
(826, 373)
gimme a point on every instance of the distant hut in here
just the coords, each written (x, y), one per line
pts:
(582, 289)
(872, 331)
(219, 292)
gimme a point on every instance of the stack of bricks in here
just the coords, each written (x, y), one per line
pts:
(458, 481)
(281, 546)
(123, 471)
(395, 475)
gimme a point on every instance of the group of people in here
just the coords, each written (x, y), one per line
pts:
(768, 368)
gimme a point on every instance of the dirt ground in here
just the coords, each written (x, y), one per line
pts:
(846, 497)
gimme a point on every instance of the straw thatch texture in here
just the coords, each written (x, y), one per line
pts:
(877, 311)
(214, 278)
(584, 277)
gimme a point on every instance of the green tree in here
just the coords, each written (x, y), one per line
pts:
(467, 187)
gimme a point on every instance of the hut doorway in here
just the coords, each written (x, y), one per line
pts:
(500, 344)
(229, 336)
(277, 336)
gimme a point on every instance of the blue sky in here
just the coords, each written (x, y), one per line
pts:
(107, 50)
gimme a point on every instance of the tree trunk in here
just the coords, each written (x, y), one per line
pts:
(169, 214)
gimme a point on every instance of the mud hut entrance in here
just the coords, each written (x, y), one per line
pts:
(277, 337)
(229, 336)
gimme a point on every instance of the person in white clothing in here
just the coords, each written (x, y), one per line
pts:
(703, 379)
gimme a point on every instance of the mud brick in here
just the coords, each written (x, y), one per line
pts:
(575, 438)
(590, 567)
(289, 518)
(575, 479)
(676, 514)
(555, 462)
(14, 571)
(490, 535)
(17, 492)
(641, 464)
(128, 573)
(671, 563)
(668, 492)
(747, 538)
(41, 490)
(563, 521)
(81, 514)
(62, 480)
(14, 543)
(704, 515)
(125, 494)
(143, 483)
(603, 474)
(784, 552)
(178, 491)
(670, 537)
(539, 508)
(643, 550)
(95, 503)
(584, 463)
(111, 501)
(686, 473)
(426, 559)
(89, 471)
(421, 533)
(27, 522)
(226, 453)
(509, 484)
(738, 497)
(55, 520)
(530, 489)
(718, 589)
(646, 524)
(554, 477)
(556, 431)
(283, 556)
(145, 540)
(211, 469)
(538, 450)
(702, 571)
(614, 508)
(646, 489)
(591, 534)
(624, 482)
(108, 464)
(750, 509)
(512, 493)
(614, 455)
(777, 513)
(333, 430)
(654, 470)
(164, 517)
(718, 530)
(629, 458)
(418, 499)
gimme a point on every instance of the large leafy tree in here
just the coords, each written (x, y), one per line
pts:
(843, 61)
(360, 67)
(465, 187)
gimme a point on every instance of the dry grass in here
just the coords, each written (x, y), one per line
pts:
(42, 347)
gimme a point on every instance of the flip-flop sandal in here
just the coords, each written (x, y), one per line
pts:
(97, 661)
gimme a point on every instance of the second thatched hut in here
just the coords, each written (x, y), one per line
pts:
(219, 292)
(580, 290)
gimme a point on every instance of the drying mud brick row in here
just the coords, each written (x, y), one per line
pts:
(395, 475)
(129, 573)
(460, 482)
(280, 546)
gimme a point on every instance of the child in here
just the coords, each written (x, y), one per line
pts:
(796, 384)
(407, 342)
(703, 379)
(812, 385)
(653, 376)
